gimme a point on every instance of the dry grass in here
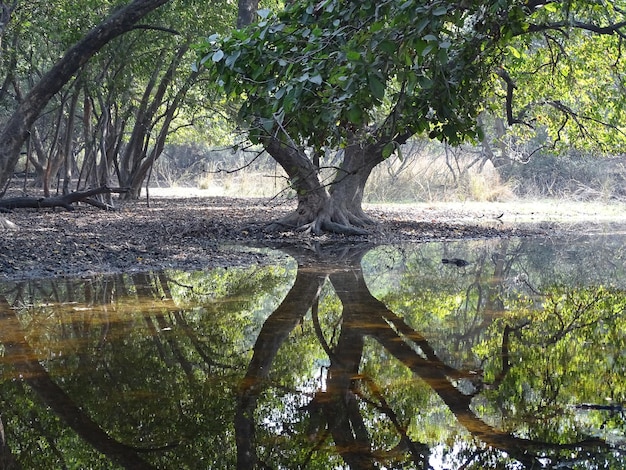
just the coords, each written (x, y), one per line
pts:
(429, 178)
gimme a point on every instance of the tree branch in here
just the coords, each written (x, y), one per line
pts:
(64, 201)
(510, 87)
(559, 25)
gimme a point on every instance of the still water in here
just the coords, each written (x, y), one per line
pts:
(340, 357)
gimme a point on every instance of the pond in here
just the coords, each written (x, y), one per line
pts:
(342, 356)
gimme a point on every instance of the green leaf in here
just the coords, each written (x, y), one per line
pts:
(427, 50)
(388, 46)
(267, 124)
(514, 52)
(376, 87)
(420, 45)
(218, 55)
(353, 55)
(355, 115)
(550, 7)
(213, 39)
(317, 79)
(419, 27)
(230, 60)
(388, 149)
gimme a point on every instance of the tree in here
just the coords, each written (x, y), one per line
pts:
(16, 129)
(356, 80)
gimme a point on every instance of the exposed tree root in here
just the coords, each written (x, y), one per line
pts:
(6, 224)
(347, 224)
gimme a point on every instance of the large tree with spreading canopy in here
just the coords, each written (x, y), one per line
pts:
(332, 81)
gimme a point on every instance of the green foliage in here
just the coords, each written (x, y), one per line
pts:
(570, 90)
(325, 73)
(322, 71)
(568, 353)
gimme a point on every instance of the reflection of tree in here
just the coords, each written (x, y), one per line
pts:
(191, 366)
(27, 366)
(275, 330)
(127, 367)
(340, 406)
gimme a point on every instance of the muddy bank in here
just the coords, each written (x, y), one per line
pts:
(200, 233)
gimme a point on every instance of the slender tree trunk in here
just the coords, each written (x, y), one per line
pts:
(69, 140)
(16, 129)
(141, 172)
(54, 160)
(137, 160)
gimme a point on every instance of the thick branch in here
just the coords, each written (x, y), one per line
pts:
(64, 201)
(558, 25)
(510, 87)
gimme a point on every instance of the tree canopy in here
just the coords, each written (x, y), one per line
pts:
(316, 70)
(320, 77)
(91, 91)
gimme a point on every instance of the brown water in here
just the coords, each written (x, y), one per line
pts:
(350, 357)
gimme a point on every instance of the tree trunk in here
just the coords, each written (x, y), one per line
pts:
(16, 129)
(333, 208)
(68, 162)
(137, 158)
(139, 175)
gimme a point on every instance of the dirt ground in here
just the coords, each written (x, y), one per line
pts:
(204, 232)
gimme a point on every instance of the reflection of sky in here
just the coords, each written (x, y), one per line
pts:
(574, 260)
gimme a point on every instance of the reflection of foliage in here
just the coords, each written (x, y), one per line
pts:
(485, 366)
(566, 354)
(152, 365)
(505, 292)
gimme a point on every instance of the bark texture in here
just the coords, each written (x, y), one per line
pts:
(333, 207)
(65, 201)
(247, 12)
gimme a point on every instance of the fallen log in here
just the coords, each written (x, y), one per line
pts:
(65, 201)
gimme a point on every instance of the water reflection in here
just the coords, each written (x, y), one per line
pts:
(336, 357)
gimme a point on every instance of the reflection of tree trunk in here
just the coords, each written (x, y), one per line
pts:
(351, 288)
(275, 330)
(340, 405)
(142, 281)
(23, 359)
(7, 460)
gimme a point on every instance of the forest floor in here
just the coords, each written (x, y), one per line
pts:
(204, 232)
